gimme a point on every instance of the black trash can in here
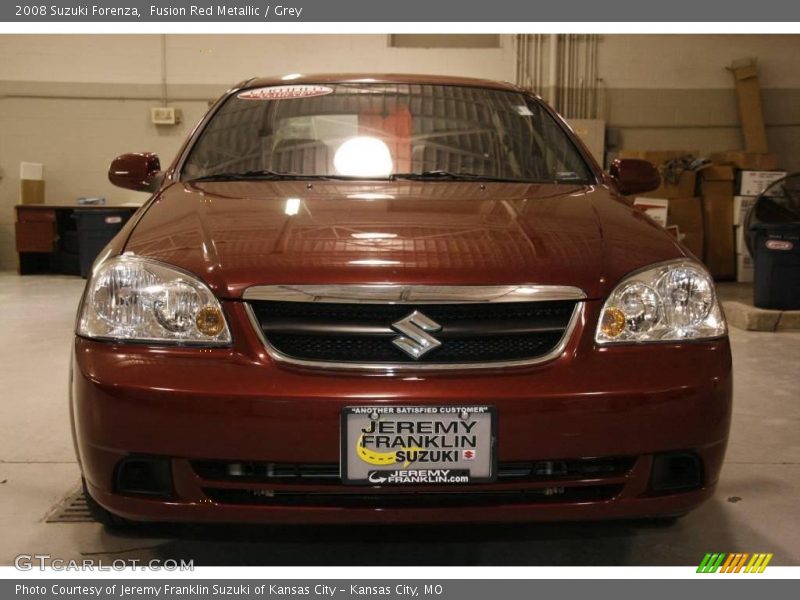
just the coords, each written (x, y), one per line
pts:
(773, 238)
(96, 228)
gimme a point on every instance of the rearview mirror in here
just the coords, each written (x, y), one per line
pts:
(138, 171)
(634, 176)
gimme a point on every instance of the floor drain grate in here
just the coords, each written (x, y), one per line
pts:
(70, 509)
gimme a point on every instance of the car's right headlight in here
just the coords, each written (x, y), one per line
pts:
(129, 298)
(669, 301)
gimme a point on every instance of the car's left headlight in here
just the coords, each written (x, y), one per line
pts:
(668, 301)
(135, 299)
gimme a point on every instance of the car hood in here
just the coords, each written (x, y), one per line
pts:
(238, 234)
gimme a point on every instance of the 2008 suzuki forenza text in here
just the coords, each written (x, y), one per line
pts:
(383, 298)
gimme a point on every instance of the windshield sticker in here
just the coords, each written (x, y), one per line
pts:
(568, 175)
(285, 92)
(524, 110)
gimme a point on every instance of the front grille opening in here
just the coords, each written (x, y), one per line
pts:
(328, 473)
(401, 499)
(548, 312)
(572, 469)
(381, 349)
(254, 472)
(473, 333)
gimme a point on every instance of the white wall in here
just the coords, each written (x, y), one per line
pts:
(225, 59)
(696, 61)
(668, 92)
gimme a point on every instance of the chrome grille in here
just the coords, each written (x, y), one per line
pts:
(359, 326)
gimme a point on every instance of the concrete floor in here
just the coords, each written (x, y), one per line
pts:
(756, 507)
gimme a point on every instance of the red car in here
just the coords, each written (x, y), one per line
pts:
(383, 298)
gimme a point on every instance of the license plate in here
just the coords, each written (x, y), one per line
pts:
(413, 445)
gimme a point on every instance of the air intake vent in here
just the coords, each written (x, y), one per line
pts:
(454, 499)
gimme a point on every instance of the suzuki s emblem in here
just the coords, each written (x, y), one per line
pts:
(416, 340)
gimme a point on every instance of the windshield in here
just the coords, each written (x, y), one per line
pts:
(381, 131)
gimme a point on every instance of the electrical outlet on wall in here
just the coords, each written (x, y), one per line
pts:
(165, 115)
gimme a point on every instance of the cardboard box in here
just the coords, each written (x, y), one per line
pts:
(687, 180)
(751, 115)
(744, 268)
(717, 180)
(685, 186)
(752, 183)
(716, 185)
(31, 183)
(655, 208)
(718, 248)
(675, 232)
(593, 134)
(740, 159)
(687, 215)
(741, 206)
(741, 245)
(31, 191)
(657, 157)
(29, 170)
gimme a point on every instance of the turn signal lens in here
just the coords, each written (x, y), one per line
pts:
(210, 321)
(613, 322)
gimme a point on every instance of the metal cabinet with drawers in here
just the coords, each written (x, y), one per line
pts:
(47, 237)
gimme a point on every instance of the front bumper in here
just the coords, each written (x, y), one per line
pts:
(236, 404)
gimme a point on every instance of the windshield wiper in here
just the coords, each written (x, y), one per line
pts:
(453, 176)
(261, 174)
(266, 174)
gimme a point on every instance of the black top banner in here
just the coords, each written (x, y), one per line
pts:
(487, 11)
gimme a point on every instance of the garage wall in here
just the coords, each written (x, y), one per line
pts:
(74, 102)
(663, 92)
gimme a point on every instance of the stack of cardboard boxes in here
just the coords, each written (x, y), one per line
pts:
(716, 191)
(705, 209)
(712, 226)
(754, 168)
(673, 205)
(754, 174)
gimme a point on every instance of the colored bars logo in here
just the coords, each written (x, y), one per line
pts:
(734, 563)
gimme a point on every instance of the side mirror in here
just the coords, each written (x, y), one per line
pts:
(634, 176)
(138, 171)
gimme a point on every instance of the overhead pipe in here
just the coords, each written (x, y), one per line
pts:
(164, 99)
(552, 79)
(562, 69)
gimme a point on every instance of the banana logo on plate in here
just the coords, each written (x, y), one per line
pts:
(380, 458)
